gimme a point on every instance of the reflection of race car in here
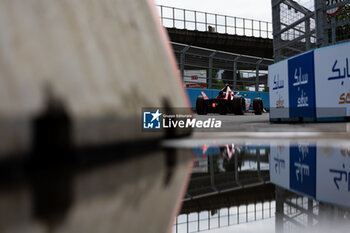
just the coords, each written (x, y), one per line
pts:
(227, 102)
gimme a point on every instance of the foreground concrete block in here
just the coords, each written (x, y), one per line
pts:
(99, 61)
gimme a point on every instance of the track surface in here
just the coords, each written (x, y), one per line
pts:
(253, 128)
(260, 123)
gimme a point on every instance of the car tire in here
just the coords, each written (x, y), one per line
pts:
(201, 106)
(238, 105)
(258, 106)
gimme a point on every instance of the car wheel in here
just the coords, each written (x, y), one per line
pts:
(238, 105)
(258, 106)
(201, 106)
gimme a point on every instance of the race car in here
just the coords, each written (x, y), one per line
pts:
(227, 101)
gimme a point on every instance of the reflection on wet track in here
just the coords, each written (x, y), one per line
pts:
(298, 185)
(229, 185)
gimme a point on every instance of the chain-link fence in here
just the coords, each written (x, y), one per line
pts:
(207, 68)
(202, 21)
(301, 25)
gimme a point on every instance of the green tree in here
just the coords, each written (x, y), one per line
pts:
(240, 85)
(216, 83)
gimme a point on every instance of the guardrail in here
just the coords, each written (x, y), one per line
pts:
(204, 21)
(199, 68)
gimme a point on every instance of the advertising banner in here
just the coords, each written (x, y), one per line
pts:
(301, 75)
(195, 78)
(200, 164)
(333, 81)
(278, 90)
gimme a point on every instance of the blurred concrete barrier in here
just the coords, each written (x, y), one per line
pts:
(98, 62)
(75, 76)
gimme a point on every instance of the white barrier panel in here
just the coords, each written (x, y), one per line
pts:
(333, 171)
(333, 81)
(279, 95)
(279, 165)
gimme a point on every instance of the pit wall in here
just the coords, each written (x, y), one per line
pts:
(193, 93)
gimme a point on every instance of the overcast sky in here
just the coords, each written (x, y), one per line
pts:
(252, 9)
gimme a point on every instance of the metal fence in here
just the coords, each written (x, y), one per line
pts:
(202, 21)
(207, 68)
(224, 217)
(301, 25)
(294, 27)
(333, 21)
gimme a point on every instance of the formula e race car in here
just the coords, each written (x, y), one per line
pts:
(227, 101)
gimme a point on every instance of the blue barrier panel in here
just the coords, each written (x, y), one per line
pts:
(198, 151)
(302, 168)
(193, 93)
(301, 76)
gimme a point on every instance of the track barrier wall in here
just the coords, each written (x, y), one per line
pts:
(193, 93)
(313, 86)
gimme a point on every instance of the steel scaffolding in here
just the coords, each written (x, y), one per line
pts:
(301, 25)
